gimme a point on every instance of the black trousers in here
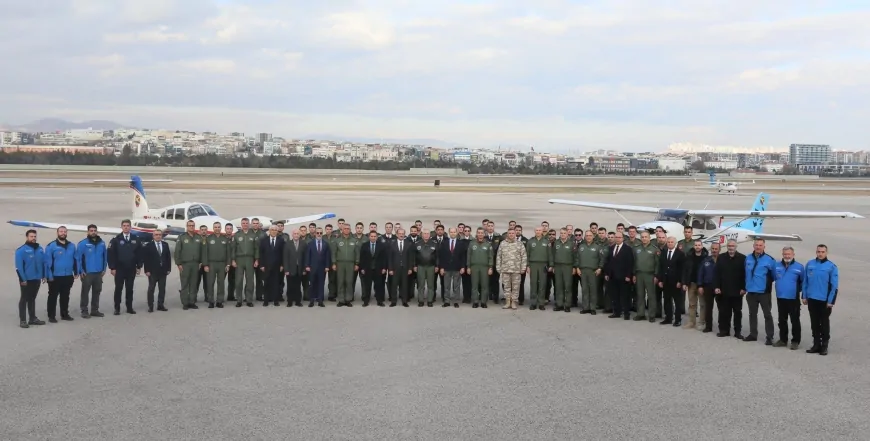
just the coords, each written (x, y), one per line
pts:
(522, 296)
(231, 284)
(575, 290)
(660, 293)
(157, 281)
(294, 288)
(59, 287)
(820, 320)
(675, 301)
(259, 284)
(789, 309)
(124, 279)
(494, 286)
(372, 280)
(709, 298)
(399, 287)
(728, 306)
(466, 287)
(620, 296)
(272, 284)
(27, 302)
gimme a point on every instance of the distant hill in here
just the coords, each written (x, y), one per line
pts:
(55, 125)
(411, 141)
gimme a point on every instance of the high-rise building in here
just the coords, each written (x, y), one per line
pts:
(263, 137)
(809, 154)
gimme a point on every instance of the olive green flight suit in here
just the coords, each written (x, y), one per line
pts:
(646, 264)
(480, 261)
(563, 266)
(218, 252)
(540, 259)
(345, 254)
(244, 251)
(589, 259)
(190, 253)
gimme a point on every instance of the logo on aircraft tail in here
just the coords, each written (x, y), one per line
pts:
(761, 200)
(138, 200)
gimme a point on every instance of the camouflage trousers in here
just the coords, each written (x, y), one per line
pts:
(511, 284)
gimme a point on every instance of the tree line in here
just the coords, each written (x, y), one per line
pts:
(296, 162)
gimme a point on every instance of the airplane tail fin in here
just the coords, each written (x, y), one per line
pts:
(140, 204)
(756, 224)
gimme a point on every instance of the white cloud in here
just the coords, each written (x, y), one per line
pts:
(618, 73)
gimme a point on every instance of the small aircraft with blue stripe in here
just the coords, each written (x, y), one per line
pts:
(171, 220)
(708, 224)
(721, 186)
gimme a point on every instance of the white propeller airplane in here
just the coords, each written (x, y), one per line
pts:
(171, 220)
(727, 187)
(707, 224)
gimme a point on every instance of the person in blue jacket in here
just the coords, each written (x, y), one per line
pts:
(30, 267)
(789, 284)
(820, 288)
(61, 272)
(91, 262)
(760, 274)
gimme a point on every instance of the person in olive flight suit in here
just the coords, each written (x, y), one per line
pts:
(345, 258)
(540, 264)
(646, 264)
(217, 266)
(244, 255)
(563, 268)
(494, 278)
(575, 282)
(481, 260)
(589, 262)
(361, 238)
(230, 278)
(124, 264)
(202, 278)
(189, 253)
(427, 267)
(259, 234)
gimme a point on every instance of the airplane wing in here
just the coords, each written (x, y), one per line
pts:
(168, 234)
(765, 236)
(775, 214)
(127, 180)
(310, 218)
(617, 207)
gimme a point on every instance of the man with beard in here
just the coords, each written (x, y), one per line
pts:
(706, 275)
(91, 263)
(693, 262)
(125, 264)
(61, 272)
(729, 286)
(30, 267)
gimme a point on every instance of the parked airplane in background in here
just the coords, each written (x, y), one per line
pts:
(727, 187)
(707, 224)
(171, 220)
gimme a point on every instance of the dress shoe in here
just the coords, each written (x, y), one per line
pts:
(456, 305)
(430, 304)
(419, 304)
(814, 349)
(311, 304)
(299, 304)
(66, 318)
(405, 304)
(584, 311)
(250, 304)
(677, 324)
(289, 304)
(52, 320)
(350, 305)
(823, 350)
(185, 307)
(738, 336)
(320, 304)
(780, 344)
(193, 306)
(238, 304)
(24, 325)
(150, 308)
(117, 312)
(97, 314)
(705, 330)
(542, 308)
(85, 315)
(665, 322)
(484, 305)
(533, 307)
(558, 309)
(36, 321)
(276, 304)
(639, 318)
(722, 334)
(592, 312)
(382, 304)
(211, 305)
(613, 316)
(794, 346)
(750, 338)
(220, 305)
(567, 309)
(474, 306)
(768, 342)
(339, 304)
(392, 304)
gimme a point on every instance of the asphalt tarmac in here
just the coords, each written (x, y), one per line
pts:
(410, 373)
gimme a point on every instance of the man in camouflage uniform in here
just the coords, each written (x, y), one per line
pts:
(511, 260)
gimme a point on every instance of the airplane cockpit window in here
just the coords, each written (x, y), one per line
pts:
(163, 215)
(209, 210)
(697, 224)
(195, 211)
(671, 215)
(711, 225)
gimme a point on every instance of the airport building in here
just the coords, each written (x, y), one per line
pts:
(809, 157)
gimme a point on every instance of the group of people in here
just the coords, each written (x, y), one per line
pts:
(594, 270)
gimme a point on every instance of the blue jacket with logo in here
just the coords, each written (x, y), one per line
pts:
(789, 280)
(707, 272)
(30, 262)
(760, 273)
(60, 260)
(91, 255)
(822, 281)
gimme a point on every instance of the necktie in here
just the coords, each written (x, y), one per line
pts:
(400, 247)
(273, 242)
(670, 253)
(318, 246)
(373, 248)
(616, 250)
(126, 238)
(159, 249)
(452, 242)
(295, 244)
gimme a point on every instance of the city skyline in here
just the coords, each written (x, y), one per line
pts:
(561, 76)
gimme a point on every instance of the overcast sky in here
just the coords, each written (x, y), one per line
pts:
(558, 74)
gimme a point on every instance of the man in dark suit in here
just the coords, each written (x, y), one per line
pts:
(618, 272)
(373, 268)
(452, 263)
(400, 261)
(271, 265)
(670, 279)
(294, 251)
(318, 260)
(158, 264)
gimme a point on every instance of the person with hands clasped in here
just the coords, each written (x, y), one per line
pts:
(820, 288)
(30, 267)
